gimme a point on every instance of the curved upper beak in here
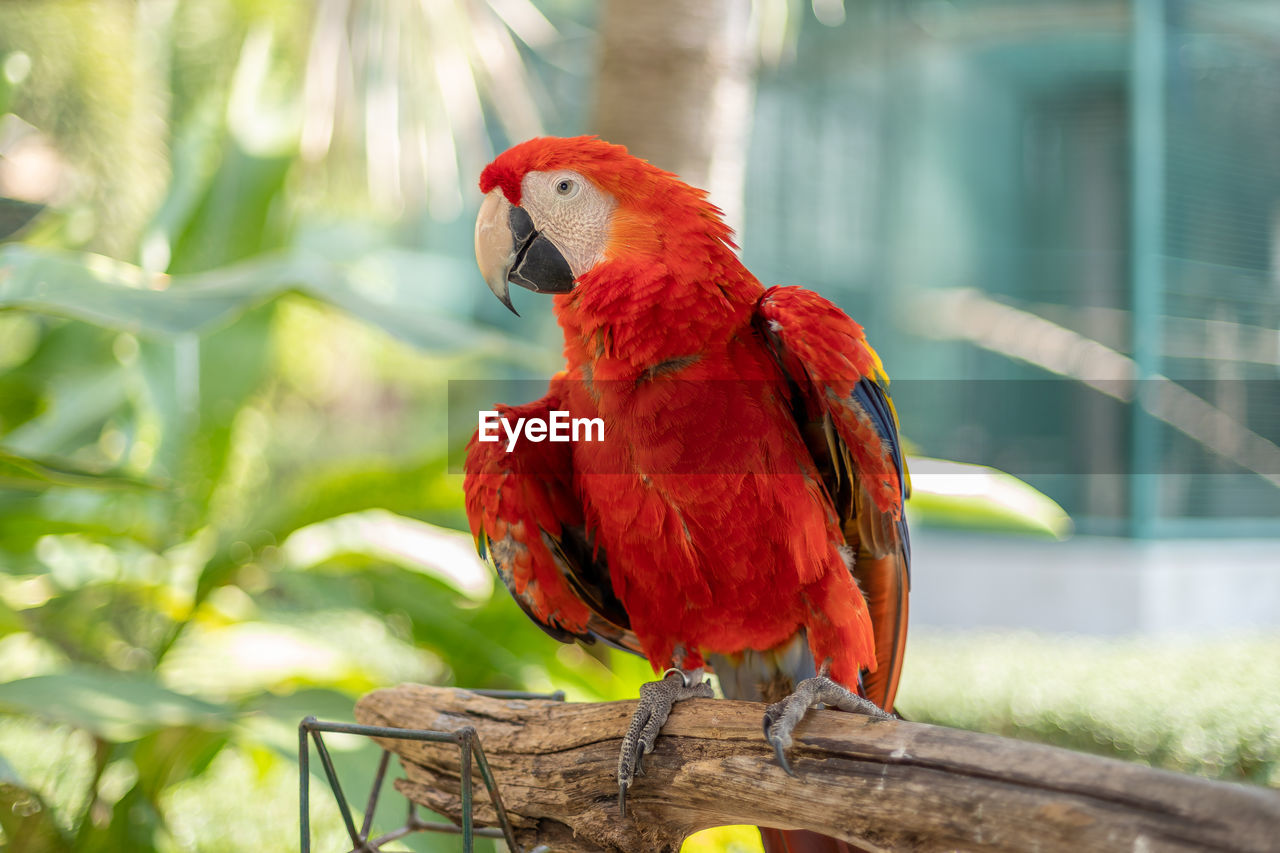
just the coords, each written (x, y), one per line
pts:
(509, 249)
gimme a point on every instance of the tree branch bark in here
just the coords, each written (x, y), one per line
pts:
(882, 785)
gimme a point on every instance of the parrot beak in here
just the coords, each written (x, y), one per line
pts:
(509, 249)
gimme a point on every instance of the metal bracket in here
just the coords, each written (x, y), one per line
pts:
(469, 748)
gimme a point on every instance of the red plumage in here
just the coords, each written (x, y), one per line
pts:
(750, 473)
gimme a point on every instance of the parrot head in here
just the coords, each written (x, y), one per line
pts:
(557, 208)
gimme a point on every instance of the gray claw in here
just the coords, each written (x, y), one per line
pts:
(781, 719)
(656, 700)
(781, 751)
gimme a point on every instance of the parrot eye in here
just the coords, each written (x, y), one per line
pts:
(566, 188)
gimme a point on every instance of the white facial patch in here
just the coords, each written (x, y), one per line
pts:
(572, 213)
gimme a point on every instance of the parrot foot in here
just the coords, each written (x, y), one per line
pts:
(656, 701)
(781, 718)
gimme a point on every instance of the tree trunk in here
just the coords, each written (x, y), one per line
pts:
(675, 84)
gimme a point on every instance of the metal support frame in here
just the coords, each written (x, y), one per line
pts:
(469, 748)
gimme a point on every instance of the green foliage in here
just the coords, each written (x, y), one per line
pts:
(88, 97)
(25, 818)
(181, 578)
(380, 285)
(108, 705)
(975, 497)
(1205, 707)
(29, 474)
(193, 444)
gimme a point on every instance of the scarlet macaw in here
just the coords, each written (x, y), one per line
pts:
(744, 511)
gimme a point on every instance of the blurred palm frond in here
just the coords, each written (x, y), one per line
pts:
(411, 89)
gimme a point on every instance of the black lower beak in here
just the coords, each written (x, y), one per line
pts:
(538, 265)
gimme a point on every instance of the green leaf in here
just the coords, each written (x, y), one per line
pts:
(28, 824)
(118, 516)
(25, 818)
(121, 296)
(245, 658)
(111, 705)
(10, 623)
(81, 386)
(447, 555)
(975, 497)
(15, 214)
(8, 776)
(37, 474)
(331, 488)
(400, 292)
(133, 824)
(20, 400)
(234, 220)
(328, 489)
(490, 645)
(174, 754)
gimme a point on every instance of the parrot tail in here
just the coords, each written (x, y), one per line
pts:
(802, 841)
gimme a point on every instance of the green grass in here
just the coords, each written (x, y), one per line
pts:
(1204, 706)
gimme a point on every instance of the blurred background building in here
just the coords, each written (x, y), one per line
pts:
(1029, 206)
(1108, 168)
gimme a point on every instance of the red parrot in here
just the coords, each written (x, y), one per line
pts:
(743, 511)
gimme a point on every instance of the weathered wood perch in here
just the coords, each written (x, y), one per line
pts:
(882, 785)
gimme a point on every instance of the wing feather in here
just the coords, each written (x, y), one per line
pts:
(844, 411)
(528, 524)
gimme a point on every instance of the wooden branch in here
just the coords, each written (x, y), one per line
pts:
(881, 785)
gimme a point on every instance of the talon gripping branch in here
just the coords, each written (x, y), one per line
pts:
(745, 512)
